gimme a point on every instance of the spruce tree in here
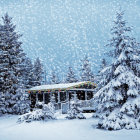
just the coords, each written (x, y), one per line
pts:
(75, 111)
(54, 78)
(28, 73)
(71, 77)
(45, 77)
(2, 104)
(2, 97)
(86, 73)
(38, 72)
(11, 58)
(103, 64)
(98, 78)
(118, 101)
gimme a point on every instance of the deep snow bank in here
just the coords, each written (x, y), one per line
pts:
(60, 130)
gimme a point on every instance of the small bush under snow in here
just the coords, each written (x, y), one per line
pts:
(43, 112)
(118, 121)
(75, 111)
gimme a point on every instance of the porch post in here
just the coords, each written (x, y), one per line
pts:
(43, 97)
(85, 95)
(75, 96)
(36, 97)
(58, 97)
(50, 95)
(30, 97)
(67, 96)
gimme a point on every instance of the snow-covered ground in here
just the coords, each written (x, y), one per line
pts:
(60, 130)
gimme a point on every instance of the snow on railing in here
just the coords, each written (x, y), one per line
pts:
(85, 103)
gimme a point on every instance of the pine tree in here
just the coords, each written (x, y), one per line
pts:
(86, 73)
(22, 105)
(54, 78)
(75, 112)
(119, 99)
(28, 73)
(2, 104)
(52, 103)
(38, 72)
(71, 78)
(43, 112)
(45, 77)
(98, 78)
(2, 98)
(103, 64)
(11, 58)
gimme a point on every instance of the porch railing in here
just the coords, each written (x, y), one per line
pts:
(84, 105)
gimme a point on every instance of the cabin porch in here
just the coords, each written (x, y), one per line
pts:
(62, 94)
(62, 98)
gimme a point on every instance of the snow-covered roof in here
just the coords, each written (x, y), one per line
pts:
(59, 86)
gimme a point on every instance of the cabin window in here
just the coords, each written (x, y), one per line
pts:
(56, 97)
(47, 98)
(89, 95)
(71, 96)
(81, 95)
(33, 100)
(40, 97)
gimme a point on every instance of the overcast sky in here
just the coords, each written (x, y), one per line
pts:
(61, 32)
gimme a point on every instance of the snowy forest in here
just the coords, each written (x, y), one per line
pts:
(114, 68)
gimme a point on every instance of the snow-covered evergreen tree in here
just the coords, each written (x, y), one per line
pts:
(41, 112)
(71, 77)
(11, 58)
(2, 104)
(54, 79)
(103, 64)
(38, 72)
(99, 77)
(118, 101)
(28, 73)
(52, 103)
(45, 77)
(52, 99)
(75, 112)
(86, 73)
(22, 101)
